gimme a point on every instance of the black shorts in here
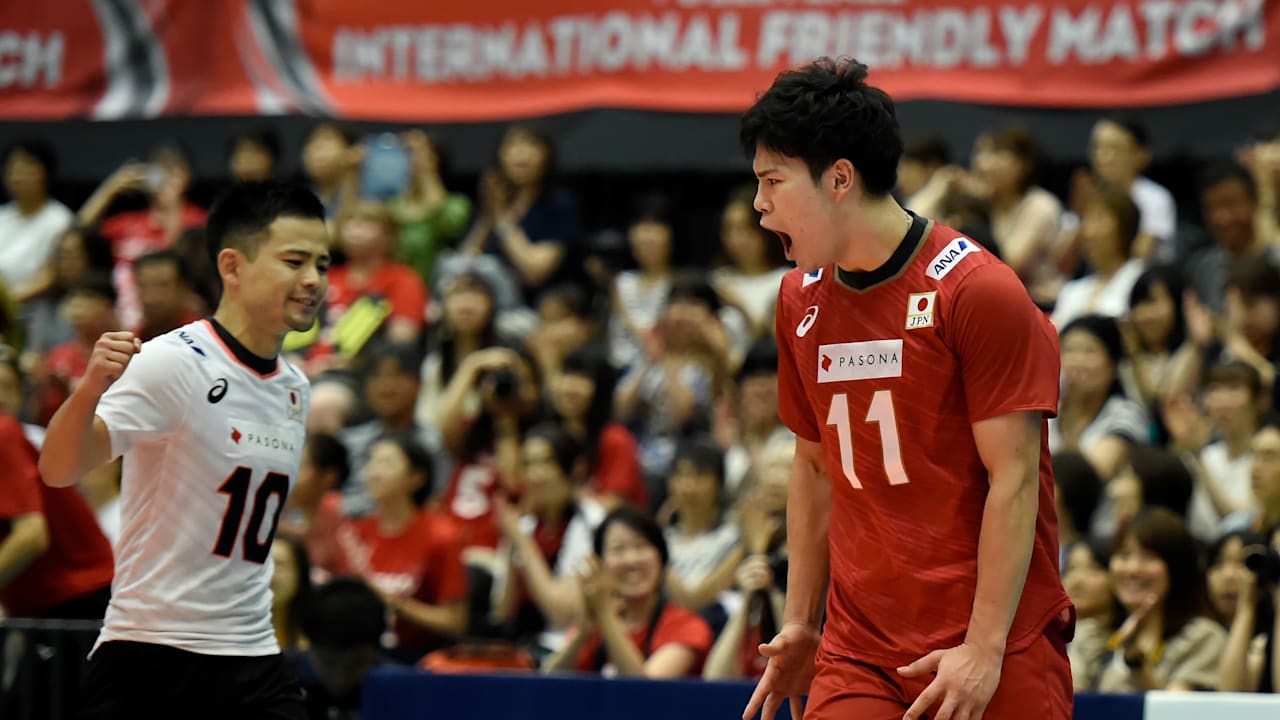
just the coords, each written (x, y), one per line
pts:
(142, 680)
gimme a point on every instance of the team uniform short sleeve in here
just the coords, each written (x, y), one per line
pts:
(150, 399)
(1007, 349)
(19, 476)
(793, 402)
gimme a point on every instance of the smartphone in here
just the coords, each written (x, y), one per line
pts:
(384, 173)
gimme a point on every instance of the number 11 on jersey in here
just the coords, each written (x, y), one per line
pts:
(881, 413)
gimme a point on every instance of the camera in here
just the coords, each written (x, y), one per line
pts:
(386, 168)
(505, 384)
(1264, 562)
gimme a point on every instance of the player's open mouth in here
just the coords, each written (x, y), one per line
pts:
(786, 242)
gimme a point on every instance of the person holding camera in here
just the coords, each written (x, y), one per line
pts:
(1249, 662)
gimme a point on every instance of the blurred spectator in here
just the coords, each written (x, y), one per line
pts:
(1108, 230)
(314, 508)
(1234, 401)
(89, 309)
(391, 385)
(747, 426)
(193, 247)
(1229, 202)
(253, 156)
(527, 223)
(1166, 642)
(467, 325)
(333, 404)
(1265, 478)
(411, 556)
(164, 180)
(565, 323)
(1249, 662)
(1262, 157)
(1154, 478)
(1119, 152)
(1077, 494)
(31, 222)
(536, 585)
(344, 624)
(370, 294)
(1095, 418)
(581, 402)
(1085, 578)
(331, 163)
(1153, 331)
(430, 217)
(704, 542)
(1024, 216)
(925, 175)
(756, 264)
(78, 251)
(630, 628)
(164, 293)
(639, 296)
(290, 591)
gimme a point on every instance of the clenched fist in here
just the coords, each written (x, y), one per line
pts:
(111, 355)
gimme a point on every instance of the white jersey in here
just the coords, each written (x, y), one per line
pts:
(212, 438)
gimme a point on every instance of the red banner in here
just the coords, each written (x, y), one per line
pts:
(432, 61)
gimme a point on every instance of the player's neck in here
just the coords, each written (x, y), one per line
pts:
(873, 232)
(264, 344)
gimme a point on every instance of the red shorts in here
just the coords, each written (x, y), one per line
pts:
(1034, 683)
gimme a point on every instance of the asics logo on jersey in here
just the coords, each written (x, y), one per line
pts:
(806, 322)
(191, 343)
(217, 392)
(945, 261)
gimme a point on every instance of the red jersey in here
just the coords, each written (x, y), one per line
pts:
(78, 559)
(423, 561)
(398, 285)
(889, 369)
(468, 501)
(673, 625)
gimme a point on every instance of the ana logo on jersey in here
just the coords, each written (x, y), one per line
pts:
(295, 403)
(811, 278)
(950, 256)
(191, 343)
(920, 309)
(866, 360)
(806, 322)
(217, 392)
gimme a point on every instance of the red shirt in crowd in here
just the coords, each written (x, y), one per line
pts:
(675, 625)
(78, 559)
(422, 561)
(468, 500)
(889, 369)
(615, 470)
(133, 234)
(399, 285)
(63, 367)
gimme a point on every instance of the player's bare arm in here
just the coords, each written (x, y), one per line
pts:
(968, 674)
(791, 653)
(77, 440)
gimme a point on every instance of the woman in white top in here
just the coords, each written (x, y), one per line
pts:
(31, 223)
(1108, 230)
(639, 297)
(1024, 217)
(751, 280)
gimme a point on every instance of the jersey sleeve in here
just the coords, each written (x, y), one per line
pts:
(152, 396)
(793, 402)
(20, 479)
(1007, 349)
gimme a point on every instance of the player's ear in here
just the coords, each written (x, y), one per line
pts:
(230, 263)
(841, 178)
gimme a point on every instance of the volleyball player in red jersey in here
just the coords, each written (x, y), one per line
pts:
(917, 375)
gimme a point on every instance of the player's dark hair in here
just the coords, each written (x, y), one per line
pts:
(564, 448)
(592, 361)
(242, 214)
(1144, 290)
(1079, 488)
(39, 151)
(825, 111)
(344, 614)
(703, 454)
(642, 523)
(419, 461)
(328, 454)
(1162, 532)
(1218, 173)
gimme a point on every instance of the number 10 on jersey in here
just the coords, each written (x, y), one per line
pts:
(881, 413)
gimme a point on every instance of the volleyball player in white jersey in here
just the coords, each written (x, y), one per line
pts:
(210, 421)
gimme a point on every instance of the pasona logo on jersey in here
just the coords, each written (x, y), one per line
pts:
(860, 360)
(250, 438)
